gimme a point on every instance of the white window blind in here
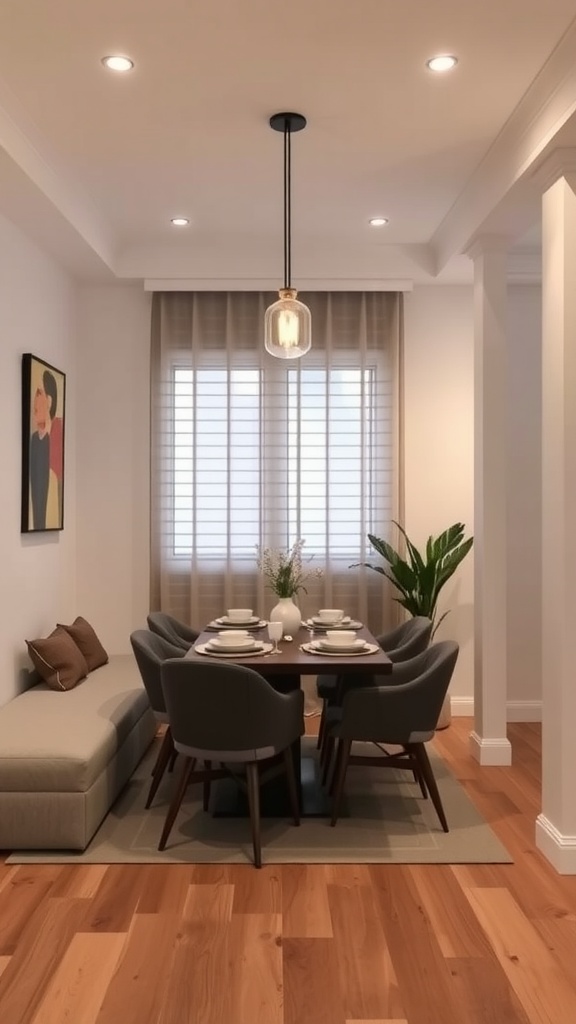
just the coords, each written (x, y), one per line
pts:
(251, 450)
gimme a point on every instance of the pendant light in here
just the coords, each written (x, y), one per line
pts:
(287, 323)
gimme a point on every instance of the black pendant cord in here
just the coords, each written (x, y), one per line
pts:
(287, 206)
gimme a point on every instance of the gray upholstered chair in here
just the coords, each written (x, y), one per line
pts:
(403, 712)
(150, 650)
(172, 629)
(400, 644)
(229, 714)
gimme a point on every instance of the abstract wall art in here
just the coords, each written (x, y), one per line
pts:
(43, 421)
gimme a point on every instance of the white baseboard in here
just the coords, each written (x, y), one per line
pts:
(524, 711)
(493, 751)
(560, 850)
(462, 707)
(516, 710)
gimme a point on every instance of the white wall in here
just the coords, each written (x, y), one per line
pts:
(37, 314)
(439, 445)
(113, 461)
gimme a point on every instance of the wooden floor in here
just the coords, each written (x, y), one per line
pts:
(479, 944)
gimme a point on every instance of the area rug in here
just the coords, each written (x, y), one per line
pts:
(384, 820)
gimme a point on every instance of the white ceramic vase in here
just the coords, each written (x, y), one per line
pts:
(288, 614)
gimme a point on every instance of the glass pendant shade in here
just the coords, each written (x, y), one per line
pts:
(288, 326)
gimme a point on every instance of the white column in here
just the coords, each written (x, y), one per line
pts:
(556, 825)
(488, 742)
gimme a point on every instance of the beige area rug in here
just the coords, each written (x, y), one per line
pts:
(384, 820)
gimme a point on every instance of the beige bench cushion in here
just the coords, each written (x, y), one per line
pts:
(61, 742)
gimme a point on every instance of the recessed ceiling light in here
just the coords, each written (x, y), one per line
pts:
(180, 222)
(378, 222)
(117, 63)
(443, 62)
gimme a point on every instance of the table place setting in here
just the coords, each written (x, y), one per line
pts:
(237, 618)
(233, 644)
(331, 618)
(340, 644)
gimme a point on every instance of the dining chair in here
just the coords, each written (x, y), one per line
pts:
(171, 629)
(400, 644)
(230, 715)
(150, 650)
(403, 713)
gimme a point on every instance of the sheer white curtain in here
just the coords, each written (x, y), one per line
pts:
(248, 449)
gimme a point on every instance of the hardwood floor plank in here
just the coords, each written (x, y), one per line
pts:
(116, 899)
(24, 892)
(387, 1021)
(208, 904)
(367, 977)
(80, 881)
(453, 923)
(415, 953)
(4, 961)
(76, 990)
(37, 956)
(164, 888)
(312, 991)
(542, 988)
(258, 892)
(255, 966)
(484, 992)
(305, 907)
(137, 990)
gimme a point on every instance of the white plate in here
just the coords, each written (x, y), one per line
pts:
(345, 621)
(343, 624)
(328, 645)
(235, 624)
(312, 648)
(246, 645)
(252, 653)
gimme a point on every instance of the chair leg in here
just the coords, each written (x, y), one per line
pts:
(421, 754)
(344, 748)
(187, 769)
(291, 780)
(164, 755)
(173, 760)
(206, 788)
(254, 805)
(322, 725)
(328, 751)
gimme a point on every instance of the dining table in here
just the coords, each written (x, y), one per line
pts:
(284, 671)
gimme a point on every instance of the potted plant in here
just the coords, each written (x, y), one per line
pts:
(420, 577)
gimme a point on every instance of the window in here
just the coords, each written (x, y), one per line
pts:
(248, 449)
(296, 453)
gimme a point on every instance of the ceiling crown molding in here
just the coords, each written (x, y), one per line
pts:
(560, 163)
(542, 113)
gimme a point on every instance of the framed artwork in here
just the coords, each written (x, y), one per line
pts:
(43, 422)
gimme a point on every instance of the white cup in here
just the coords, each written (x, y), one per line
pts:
(341, 636)
(239, 614)
(330, 614)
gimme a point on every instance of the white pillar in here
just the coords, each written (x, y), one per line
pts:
(556, 825)
(488, 742)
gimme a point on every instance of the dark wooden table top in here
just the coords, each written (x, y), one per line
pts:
(295, 661)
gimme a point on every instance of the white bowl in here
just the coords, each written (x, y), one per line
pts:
(330, 614)
(238, 614)
(230, 637)
(341, 637)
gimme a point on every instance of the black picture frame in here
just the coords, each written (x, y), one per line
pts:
(43, 433)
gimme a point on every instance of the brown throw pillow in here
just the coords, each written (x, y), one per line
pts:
(58, 660)
(85, 638)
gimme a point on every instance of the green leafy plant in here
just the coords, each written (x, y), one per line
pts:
(421, 576)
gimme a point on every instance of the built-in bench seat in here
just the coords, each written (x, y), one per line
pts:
(65, 756)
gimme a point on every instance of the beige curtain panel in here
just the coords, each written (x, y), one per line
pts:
(248, 449)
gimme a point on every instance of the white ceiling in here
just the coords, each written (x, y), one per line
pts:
(94, 164)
